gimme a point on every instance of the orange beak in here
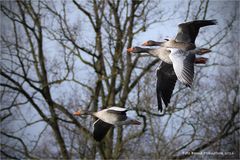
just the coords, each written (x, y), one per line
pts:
(145, 43)
(129, 50)
(78, 113)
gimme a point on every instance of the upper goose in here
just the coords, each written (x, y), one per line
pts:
(107, 118)
(186, 36)
(185, 39)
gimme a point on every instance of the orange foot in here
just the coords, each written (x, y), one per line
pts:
(201, 60)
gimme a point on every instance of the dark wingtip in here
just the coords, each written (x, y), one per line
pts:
(100, 129)
(214, 22)
(98, 139)
(160, 109)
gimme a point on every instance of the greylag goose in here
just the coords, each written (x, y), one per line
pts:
(164, 53)
(185, 40)
(182, 61)
(186, 36)
(108, 118)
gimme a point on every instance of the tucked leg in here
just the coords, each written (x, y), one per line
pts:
(200, 60)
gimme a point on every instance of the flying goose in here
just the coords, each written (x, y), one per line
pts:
(184, 40)
(186, 36)
(182, 61)
(180, 66)
(108, 118)
(164, 53)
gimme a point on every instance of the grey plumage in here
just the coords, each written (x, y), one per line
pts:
(108, 118)
(183, 64)
(184, 40)
(187, 32)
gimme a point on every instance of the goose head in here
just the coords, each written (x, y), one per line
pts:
(153, 43)
(81, 112)
(137, 50)
(133, 122)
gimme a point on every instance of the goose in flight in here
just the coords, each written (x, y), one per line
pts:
(108, 118)
(180, 65)
(184, 40)
(181, 60)
(186, 36)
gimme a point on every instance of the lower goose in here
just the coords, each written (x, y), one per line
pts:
(108, 118)
(176, 64)
(182, 60)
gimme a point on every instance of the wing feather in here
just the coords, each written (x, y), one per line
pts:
(101, 128)
(166, 79)
(117, 110)
(187, 32)
(183, 64)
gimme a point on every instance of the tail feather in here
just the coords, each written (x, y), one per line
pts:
(203, 23)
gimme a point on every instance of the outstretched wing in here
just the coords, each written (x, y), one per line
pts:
(166, 79)
(187, 32)
(100, 129)
(117, 110)
(183, 65)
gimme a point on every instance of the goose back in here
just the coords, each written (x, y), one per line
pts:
(111, 116)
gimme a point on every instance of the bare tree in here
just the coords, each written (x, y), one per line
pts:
(59, 56)
(32, 76)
